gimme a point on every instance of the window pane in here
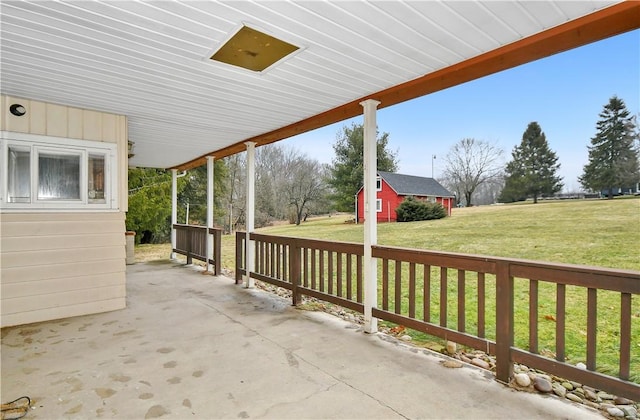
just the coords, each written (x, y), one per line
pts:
(96, 178)
(19, 176)
(58, 177)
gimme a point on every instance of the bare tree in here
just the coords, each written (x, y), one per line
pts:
(471, 163)
(305, 184)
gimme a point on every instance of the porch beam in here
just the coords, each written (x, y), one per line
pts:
(250, 213)
(370, 215)
(174, 210)
(210, 179)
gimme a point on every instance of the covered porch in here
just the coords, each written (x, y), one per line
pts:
(196, 346)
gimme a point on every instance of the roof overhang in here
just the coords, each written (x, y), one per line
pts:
(150, 61)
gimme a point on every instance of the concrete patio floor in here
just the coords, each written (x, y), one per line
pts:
(191, 345)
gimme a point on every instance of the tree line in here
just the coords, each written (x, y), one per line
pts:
(291, 185)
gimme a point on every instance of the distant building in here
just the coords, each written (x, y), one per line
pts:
(393, 188)
(633, 190)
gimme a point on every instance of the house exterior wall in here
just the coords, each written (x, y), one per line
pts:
(391, 201)
(55, 263)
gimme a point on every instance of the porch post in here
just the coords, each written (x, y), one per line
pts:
(370, 269)
(250, 212)
(210, 175)
(174, 210)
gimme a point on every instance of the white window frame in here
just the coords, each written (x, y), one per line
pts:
(37, 144)
(378, 184)
(379, 205)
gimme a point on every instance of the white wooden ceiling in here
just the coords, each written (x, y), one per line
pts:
(149, 60)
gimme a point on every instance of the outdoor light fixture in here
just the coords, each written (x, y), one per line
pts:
(131, 146)
(17, 110)
(253, 50)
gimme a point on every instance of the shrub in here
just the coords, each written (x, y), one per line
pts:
(411, 210)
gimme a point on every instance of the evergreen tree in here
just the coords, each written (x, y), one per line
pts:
(533, 170)
(347, 168)
(613, 156)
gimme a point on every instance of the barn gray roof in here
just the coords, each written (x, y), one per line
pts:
(414, 185)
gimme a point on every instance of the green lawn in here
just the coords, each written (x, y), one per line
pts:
(588, 232)
(602, 233)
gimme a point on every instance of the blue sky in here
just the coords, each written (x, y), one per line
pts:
(564, 93)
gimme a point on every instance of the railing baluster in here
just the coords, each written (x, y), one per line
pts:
(313, 269)
(272, 260)
(461, 301)
(339, 273)
(385, 284)
(533, 316)
(412, 290)
(321, 270)
(426, 303)
(625, 335)
(349, 273)
(443, 296)
(560, 321)
(294, 274)
(330, 273)
(285, 272)
(481, 305)
(305, 267)
(398, 287)
(592, 327)
(359, 278)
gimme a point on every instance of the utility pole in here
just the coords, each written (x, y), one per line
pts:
(433, 157)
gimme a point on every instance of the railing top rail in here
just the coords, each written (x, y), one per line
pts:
(621, 280)
(185, 226)
(340, 246)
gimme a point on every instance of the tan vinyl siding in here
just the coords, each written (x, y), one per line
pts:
(62, 264)
(55, 264)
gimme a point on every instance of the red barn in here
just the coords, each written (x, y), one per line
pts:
(393, 188)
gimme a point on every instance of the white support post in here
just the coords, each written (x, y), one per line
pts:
(210, 175)
(250, 212)
(370, 269)
(174, 210)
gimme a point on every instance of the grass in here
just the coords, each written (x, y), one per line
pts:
(587, 232)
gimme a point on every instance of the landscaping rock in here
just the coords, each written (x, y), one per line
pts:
(465, 358)
(573, 397)
(590, 395)
(581, 365)
(480, 363)
(622, 401)
(522, 379)
(592, 404)
(542, 384)
(451, 347)
(603, 395)
(405, 338)
(628, 410)
(559, 390)
(575, 384)
(567, 385)
(615, 412)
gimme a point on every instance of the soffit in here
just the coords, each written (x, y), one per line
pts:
(150, 61)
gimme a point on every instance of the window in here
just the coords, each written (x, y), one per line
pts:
(96, 178)
(378, 184)
(379, 205)
(58, 176)
(41, 172)
(19, 174)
